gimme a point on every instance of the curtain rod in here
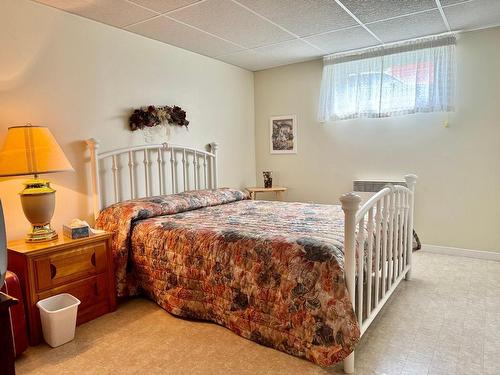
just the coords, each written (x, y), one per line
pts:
(391, 44)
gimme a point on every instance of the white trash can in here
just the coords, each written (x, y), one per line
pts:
(58, 316)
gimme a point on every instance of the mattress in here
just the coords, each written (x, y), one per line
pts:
(271, 272)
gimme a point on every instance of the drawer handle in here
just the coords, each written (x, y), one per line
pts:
(92, 259)
(53, 271)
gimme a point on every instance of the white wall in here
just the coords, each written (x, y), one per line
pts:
(82, 78)
(457, 201)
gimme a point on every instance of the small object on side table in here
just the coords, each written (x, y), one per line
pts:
(82, 267)
(268, 179)
(278, 190)
(7, 355)
(77, 229)
(75, 232)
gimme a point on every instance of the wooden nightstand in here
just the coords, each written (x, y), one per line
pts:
(278, 190)
(82, 267)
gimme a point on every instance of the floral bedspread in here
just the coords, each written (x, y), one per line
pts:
(271, 272)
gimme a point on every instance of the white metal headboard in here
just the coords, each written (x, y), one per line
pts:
(151, 169)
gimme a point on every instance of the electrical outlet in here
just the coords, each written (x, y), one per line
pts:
(446, 124)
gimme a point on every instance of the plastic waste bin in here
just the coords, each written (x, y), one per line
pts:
(58, 316)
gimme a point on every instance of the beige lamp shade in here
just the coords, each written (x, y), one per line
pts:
(31, 150)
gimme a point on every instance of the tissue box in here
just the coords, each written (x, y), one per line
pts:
(75, 232)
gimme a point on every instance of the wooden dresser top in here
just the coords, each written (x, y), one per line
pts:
(61, 243)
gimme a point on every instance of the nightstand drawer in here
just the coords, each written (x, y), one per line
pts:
(89, 291)
(66, 266)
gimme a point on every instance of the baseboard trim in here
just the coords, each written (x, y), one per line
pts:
(456, 251)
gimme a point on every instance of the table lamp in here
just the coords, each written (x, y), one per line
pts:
(33, 150)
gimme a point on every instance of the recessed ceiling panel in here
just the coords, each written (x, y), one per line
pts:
(270, 56)
(409, 27)
(303, 17)
(344, 40)
(112, 12)
(226, 19)
(248, 59)
(171, 32)
(376, 10)
(449, 2)
(163, 6)
(472, 15)
(293, 50)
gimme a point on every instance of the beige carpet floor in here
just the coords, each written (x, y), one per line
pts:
(445, 321)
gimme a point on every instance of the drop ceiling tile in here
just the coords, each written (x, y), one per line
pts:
(289, 52)
(376, 10)
(472, 15)
(303, 17)
(248, 59)
(414, 26)
(117, 13)
(451, 2)
(343, 40)
(171, 32)
(226, 19)
(163, 6)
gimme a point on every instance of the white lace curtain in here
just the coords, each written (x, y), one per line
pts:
(411, 77)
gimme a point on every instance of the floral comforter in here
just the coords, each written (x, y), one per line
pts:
(271, 272)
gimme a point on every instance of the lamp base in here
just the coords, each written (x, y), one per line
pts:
(41, 233)
(38, 201)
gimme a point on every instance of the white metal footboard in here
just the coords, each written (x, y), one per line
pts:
(378, 242)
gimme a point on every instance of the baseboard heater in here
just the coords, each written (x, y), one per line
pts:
(373, 186)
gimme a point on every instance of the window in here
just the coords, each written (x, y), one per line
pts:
(417, 76)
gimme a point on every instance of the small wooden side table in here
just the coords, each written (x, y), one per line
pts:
(278, 190)
(7, 355)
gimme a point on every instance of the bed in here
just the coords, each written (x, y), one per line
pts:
(306, 279)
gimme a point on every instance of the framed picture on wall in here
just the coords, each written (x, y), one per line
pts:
(283, 134)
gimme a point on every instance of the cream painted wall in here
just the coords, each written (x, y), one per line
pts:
(457, 201)
(82, 78)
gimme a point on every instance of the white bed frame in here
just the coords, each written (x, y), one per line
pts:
(188, 168)
(388, 213)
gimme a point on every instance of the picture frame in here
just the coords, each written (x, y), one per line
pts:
(283, 134)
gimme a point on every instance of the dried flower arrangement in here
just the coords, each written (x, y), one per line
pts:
(148, 117)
